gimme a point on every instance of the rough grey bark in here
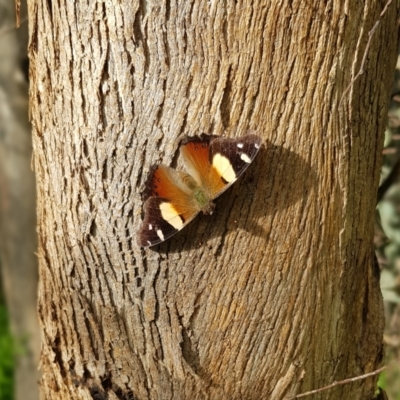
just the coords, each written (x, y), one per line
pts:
(18, 242)
(274, 295)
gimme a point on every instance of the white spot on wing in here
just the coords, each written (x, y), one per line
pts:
(245, 158)
(169, 214)
(256, 145)
(149, 242)
(240, 145)
(150, 227)
(224, 167)
(160, 234)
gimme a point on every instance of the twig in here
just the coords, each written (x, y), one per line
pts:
(18, 13)
(337, 383)
(370, 35)
(11, 27)
(391, 178)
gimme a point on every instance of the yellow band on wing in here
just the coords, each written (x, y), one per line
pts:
(169, 214)
(224, 167)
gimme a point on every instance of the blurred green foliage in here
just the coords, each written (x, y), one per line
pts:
(6, 356)
(387, 242)
(384, 384)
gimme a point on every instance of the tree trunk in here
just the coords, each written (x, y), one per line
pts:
(18, 262)
(276, 293)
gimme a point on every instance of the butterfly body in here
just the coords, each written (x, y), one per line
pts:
(174, 198)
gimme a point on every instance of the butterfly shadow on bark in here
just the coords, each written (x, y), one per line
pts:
(267, 187)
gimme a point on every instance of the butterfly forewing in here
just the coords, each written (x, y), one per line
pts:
(154, 229)
(195, 152)
(168, 209)
(231, 157)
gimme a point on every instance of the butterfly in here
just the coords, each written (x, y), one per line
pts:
(173, 198)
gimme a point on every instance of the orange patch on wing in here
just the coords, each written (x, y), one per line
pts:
(197, 162)
(165, 184)
(217, 185)
(196, 158)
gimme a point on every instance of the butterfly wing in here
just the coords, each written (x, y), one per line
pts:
(168, 208)
(195, 152)
(216, 163)
(231, 157)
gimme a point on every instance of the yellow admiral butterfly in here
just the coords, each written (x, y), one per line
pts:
(174, 198)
